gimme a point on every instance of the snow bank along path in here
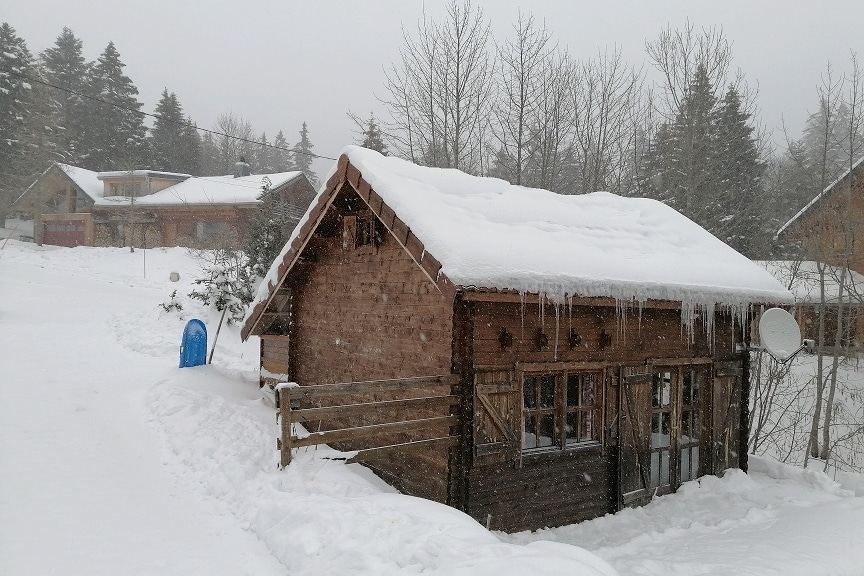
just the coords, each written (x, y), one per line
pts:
(117, 462)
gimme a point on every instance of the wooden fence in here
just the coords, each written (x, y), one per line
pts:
(418, 421)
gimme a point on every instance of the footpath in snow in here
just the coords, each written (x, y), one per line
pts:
(114, 461)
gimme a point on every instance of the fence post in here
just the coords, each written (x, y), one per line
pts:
(284, 395)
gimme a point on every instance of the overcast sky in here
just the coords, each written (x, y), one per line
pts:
(278, 64)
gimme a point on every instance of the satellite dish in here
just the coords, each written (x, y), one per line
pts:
(779, 333)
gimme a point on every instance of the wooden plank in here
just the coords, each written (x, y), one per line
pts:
(660, 362)
(497, 387)
(352, 174)
(346, 434)
(351, 410)
(530, 298)
(372, 386)
(560, 366)
(372, 454)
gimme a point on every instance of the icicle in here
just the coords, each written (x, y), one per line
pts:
(522, 314)
(556, 330)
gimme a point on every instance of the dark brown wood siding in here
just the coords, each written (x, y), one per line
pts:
(514, 490)
(548, 490)
(370, 313)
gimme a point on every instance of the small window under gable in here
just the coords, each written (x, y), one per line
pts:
(361, 230)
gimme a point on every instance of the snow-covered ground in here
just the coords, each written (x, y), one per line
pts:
(115, 461)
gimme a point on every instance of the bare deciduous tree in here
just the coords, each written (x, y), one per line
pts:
(439, 92)
(520, 66)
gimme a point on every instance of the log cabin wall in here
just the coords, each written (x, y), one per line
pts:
(368, 312)
(511, 489)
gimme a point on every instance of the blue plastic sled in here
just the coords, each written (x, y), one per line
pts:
(193, 350)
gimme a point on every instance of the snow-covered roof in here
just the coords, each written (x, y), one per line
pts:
(87, 180)
(190, 191)
(802, 278)
(216, 190)
(820, 196)
(489, 234)
(142, 173)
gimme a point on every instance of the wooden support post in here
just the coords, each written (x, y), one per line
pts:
(285, 417)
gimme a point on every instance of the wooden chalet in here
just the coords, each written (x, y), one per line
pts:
(830, 228)
(72, 206)
(529, 358)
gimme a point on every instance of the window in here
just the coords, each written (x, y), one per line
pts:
(366, 233)
(211, 230)
(675, 425)
(560, 409)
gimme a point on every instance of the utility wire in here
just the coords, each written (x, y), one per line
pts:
(182, 123)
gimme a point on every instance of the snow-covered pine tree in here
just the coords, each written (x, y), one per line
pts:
(269, 228)
(209, 156)
(281, 159)
(680, 167)
(65, 67)
(15, 94)
(303, 156)
(373, 138)
(166, 136)
(115, 131)
(190, 150)
(739, 180)
(261, 159)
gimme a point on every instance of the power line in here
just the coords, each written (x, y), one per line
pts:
(181, 123)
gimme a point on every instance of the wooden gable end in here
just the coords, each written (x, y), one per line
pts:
(345, 178)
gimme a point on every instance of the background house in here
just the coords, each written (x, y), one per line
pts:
(807, 280)
(830, 228)
(589, 343)
(72, 206)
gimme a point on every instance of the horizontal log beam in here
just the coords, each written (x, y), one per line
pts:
(348, 434)
(383, 408)
(367, 387)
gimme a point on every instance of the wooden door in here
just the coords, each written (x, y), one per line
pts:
(726, 416)
(634, 437)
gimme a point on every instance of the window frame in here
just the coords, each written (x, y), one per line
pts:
(560, 408)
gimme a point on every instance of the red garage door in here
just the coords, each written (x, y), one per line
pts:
(64, 233)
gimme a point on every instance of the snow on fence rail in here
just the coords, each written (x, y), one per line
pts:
(407, 423)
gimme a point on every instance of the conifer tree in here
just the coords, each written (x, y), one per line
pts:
(738, 212)
(373, 139)
(261, 160)
(281, 160)
(303, 156)
(114, 132)
(678, 168)
(208, 156)
(65, 67)
(190, 151)
(166, 136)
(174, 144)
(15, 95)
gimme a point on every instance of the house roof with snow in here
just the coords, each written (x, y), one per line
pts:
(217, 190)
(188, 191)
(473, 233)
(803, 280)
(858, 166)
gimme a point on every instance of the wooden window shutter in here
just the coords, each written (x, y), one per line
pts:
(349, 232)
(497, 412)
(634, 440)
(725, 417)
